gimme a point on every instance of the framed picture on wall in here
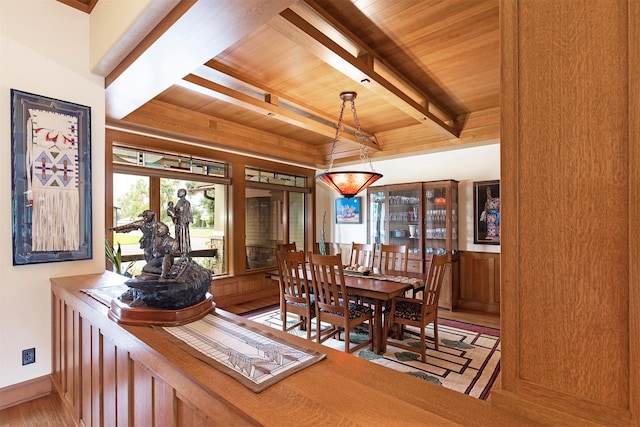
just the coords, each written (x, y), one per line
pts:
(50, 179)
(486, 208)
(348, 211)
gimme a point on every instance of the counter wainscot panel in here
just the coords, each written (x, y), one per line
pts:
(108, 374)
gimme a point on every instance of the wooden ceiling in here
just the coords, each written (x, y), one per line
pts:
(82, 5)
(264, 76)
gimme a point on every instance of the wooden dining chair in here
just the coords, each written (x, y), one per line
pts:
(287, 247)
(295, 291)
(419, 312)
(362, 254)
(330, 248)
(327, 277)
(393, 257)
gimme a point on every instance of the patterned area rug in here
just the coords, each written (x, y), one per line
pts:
(468, 360)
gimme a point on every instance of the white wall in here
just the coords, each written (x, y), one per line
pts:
(44, 49)
(480, 163)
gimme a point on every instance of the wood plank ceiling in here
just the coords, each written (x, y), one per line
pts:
(264, 76)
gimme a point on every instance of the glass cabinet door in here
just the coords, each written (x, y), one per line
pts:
(441, 217)
(376, 216)
(404, 217)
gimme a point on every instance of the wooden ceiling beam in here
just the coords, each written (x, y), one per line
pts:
(178, 122)
(198, 33)
(362, 69)
(269, 106)
(85, 6)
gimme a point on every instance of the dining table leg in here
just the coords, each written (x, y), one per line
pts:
(378, 339)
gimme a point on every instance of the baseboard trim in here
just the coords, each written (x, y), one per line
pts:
(25, 391)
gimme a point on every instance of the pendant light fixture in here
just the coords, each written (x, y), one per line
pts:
(349, 183)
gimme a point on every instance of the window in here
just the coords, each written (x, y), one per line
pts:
(142, 177)
(207, 230)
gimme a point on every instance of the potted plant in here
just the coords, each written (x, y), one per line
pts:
(115, 257)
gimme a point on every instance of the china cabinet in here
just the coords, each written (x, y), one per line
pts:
(396, 218)
(423, 216)
(441, 234)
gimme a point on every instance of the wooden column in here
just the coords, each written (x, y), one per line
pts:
(570, 232)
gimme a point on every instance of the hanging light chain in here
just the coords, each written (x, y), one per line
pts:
(364, 150)
(337, 137)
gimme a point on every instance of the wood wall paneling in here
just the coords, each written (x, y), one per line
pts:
(86, 354)
(101, 385)
(239, 289)
(567, 348)
(123, 388)
(480, 281)
(563, 71)
(142, 399)
(96, 378)
(167, 386)
(109, 382)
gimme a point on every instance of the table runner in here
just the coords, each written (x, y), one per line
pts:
(416, 283)
(400, 279)
(255, 358)
(105, 294)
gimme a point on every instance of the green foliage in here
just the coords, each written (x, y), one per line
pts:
(115, 257)
(168, 190)
(135, 200)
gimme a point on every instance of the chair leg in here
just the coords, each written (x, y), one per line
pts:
(318, 329)
(347, 333)
(435, 333)
(283, 317)
(423, 345)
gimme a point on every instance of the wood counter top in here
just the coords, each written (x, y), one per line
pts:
(342, 389)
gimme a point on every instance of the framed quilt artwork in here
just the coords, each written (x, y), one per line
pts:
(51, 179)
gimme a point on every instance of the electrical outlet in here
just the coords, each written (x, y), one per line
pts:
(28, 356)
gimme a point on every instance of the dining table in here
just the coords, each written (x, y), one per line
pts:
(379, 288)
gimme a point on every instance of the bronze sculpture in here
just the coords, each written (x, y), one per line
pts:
(164, 283)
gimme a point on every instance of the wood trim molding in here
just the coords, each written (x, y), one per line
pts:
(633, 52)
(25, 391)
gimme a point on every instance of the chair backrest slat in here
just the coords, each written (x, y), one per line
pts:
(293, 278)
(435, 277)
(362, 254)
(327, 276)
(394, 257)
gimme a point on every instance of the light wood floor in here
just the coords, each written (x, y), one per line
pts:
(46, 411)
(49, 411)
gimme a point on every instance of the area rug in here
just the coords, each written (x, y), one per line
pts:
(468, 359)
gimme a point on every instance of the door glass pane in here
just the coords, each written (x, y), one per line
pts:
(376, 217)
(404, 218)
(208, 209)
(264, 226)
(436, 220)
(296, 219)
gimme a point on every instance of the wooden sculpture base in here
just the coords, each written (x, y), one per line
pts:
(122, 313)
